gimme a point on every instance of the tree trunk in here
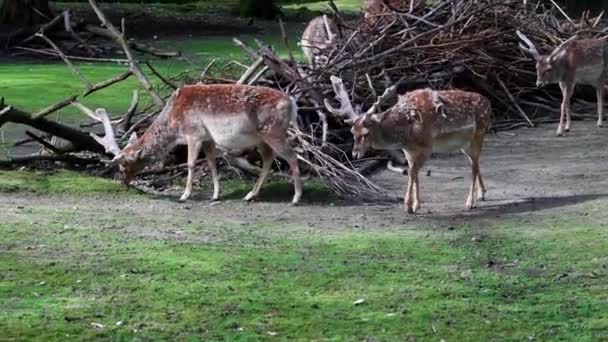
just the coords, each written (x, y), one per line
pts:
(23, 13)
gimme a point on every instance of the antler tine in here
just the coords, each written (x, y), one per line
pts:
(330, 34)
(388, 93)
(531, 48)
(346, 107)
(109, 140)
(561, 46)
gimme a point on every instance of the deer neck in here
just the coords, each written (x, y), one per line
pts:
(157, 141)
(386, 135)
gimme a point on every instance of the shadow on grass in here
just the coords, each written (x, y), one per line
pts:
(274, 191)
(532, 204)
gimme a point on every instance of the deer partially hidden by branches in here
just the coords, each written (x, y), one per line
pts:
(422, 122)
(583, 61)
(375, 8)
(230, 118)
(320, 33)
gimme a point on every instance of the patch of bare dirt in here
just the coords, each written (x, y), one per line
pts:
(526, 171)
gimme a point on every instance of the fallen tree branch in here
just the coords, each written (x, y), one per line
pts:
(55, 107)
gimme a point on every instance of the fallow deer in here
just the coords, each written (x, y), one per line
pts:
(375, 8)
(583, 61)
(320, 33)
(422, 122)
(216, 117)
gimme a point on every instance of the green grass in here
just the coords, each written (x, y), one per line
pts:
(65, 278)
(58, 182)
(322, 6)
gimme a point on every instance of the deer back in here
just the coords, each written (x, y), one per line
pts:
(234, 117)
(443, 119)
(583, 60)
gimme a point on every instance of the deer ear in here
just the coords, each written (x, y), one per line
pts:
(132, 138)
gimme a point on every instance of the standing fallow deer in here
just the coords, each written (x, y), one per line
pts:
(224, 117)
(320, 33)
(583, 61)
(422, 122)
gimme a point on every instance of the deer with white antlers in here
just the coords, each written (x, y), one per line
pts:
(320, 33)
(422, 122)
(583, 61)
(230, 118)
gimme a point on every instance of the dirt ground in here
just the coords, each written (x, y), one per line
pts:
(526, 171)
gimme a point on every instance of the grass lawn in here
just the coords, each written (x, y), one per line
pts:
(101, 270)
(343, 5)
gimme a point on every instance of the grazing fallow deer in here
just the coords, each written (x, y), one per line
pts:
(215, 117)
(583, 61)
(422, 122)
(320, 33)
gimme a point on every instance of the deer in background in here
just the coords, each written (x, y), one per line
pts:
(320, 33)
(375, 8)
(216, 117)
(583, 61)
(422, 122)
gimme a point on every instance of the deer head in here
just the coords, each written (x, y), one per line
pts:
(547, 66)
(127, 159)
(363, 123)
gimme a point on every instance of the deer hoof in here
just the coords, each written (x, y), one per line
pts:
(600, 124)
(410, 210)
(249, 197)
(559, 133)
(567, 129)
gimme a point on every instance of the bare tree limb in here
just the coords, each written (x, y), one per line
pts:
(55, 107)
(67, 61)
(104, 84)
(118, 37)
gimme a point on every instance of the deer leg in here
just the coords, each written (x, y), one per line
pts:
(194, 147)
(267, 158)
(211, 154)
(473, 154)
(600, 105)
(412, 198)
(565, 108)
(282, 149)
(481, 193)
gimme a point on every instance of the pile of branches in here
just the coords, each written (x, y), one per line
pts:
(470, 45)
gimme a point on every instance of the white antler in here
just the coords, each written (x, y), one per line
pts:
(108, 141)
(330, 35)
(388, 94)
(346, 108)
(530, 48)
